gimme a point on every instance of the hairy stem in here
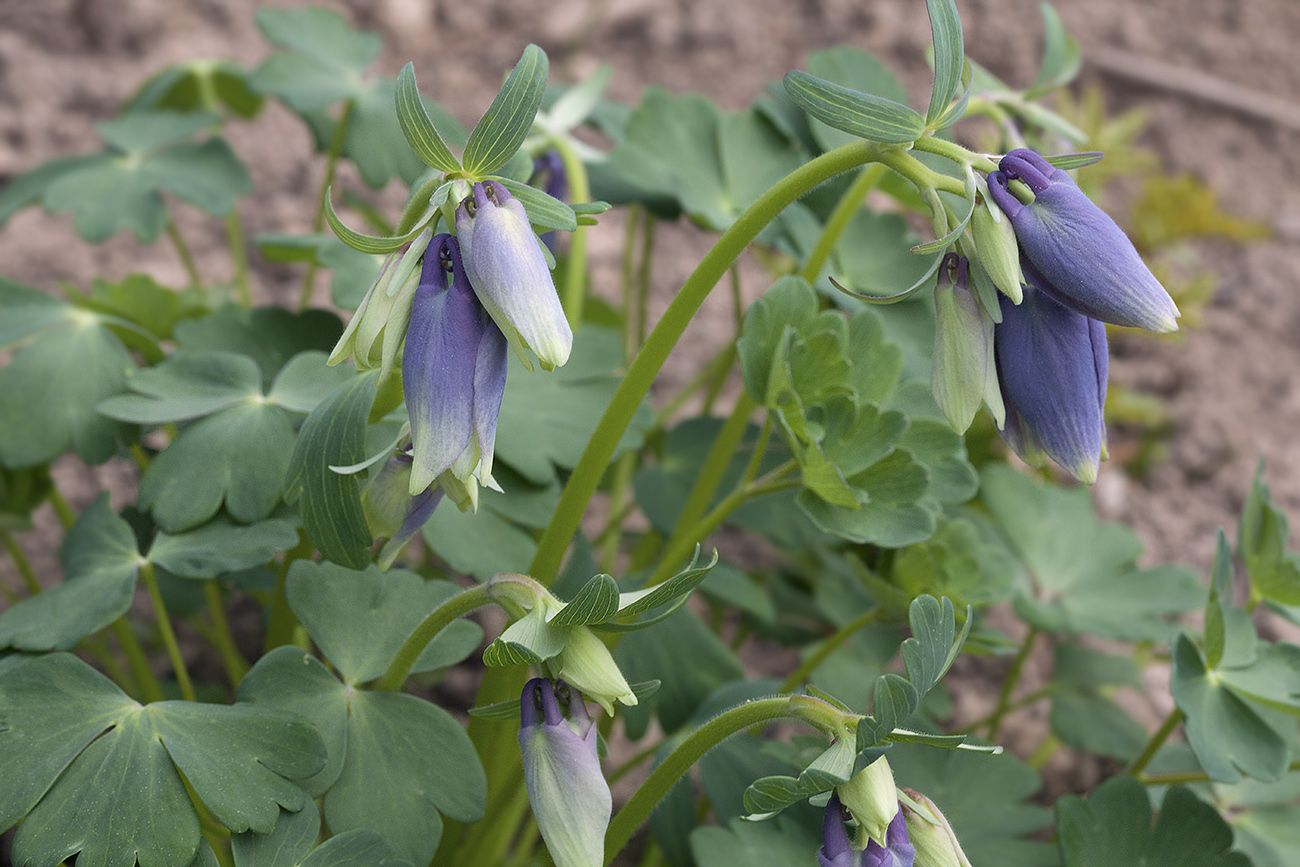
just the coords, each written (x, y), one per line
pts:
(1009, 684)
(21, 563)
(221, 636)
(136, 660)
(442, 616)
(183, 252)
(1157, 741)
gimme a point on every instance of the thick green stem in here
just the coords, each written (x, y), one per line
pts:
(847, 206)
(183, 252)
(1157, 741)
(318, 224)
(21, 563)
(1009, 684)
(1187, 777)
(136, 661)
(236, 665)
(954, 152)
(575, 273)
(680, 760)
(841, 635)
(165, 631)
(239, 257)
(66, 516)
(643, 370)
(442, 616)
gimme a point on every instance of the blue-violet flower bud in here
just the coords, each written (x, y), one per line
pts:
(508, 270)
(568, 792)
(1090, 264)
(963, 373)
(897, 851)
(1052, 366)
(453, 377)
(835, 850)
(392, 511)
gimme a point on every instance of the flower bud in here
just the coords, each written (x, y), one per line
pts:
(963, 372)
(995, 242)
(508, 270)
(872, 799)
(568, 792)
(393, 512)
(936, 845)
(587, 664)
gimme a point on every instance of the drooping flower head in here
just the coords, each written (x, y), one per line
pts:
(963, 373)
(392, 511)
(1052, 367)
(508, 270)
(871, 798)
(453, 378)
(837, 851)
(897, 850)
(1089, 263)
(569, 795)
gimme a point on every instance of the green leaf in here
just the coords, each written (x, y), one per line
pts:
(407, 761)
(479, 543)
(681, 584)
(894, 513)
(359, 620)
(305, 381)
(100, 562)
(777, 843)
(1095, 724)
(286, 846)
(330, 504)
(354, 849)
(29, 187)
(596, 602)
(268, 335)
(931, 649)
(187, 385)
(991, 826)
(1220, 599)
(1230, 733)
(197, 85)
(211, 463)
(1113, 828)
(854, 68)
(1261, 541)
(1061, 56)
(139, 133)
(949, 55)
(120, 795)
(320, 34)
(507, 121)
(28, 311)
(368, 243)
(141, 300)
(546, 419)
(419, 130)
(49, 390)
(544, 212)
(219, 547)
(1079, 566)
(860, 114)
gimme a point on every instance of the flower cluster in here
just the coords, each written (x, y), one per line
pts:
(1077, 270)
(486, 287)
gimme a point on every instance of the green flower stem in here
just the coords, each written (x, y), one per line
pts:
(165, 631)
(221, 636)
(954, 152)
(706, 483)
(680, 760)
(442, 616)
(829, 646)
(847, 206)
(1009, 684)
(67, 517)
(1187, 777)
(239, 256)
(318, 224)
(21, 563)
(183, 252)
(136, 661)
(921, 175)
(281, 622)
(575, 272)
(1157, 741)
(643, 370)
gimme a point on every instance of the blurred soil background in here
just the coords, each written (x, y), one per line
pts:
(1229, 384)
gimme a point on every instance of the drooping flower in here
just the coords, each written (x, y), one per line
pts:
(453, 378)
(835, 850)
(1052, 366)
(587, 663)
(897, 850)
(1090, 264)
(508, 270)
(569, 795)
(871, 798)
(928, 829)
(392, 511)
(550, 177)
(963, 373)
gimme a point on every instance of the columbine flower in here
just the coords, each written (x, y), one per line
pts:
(1088, 261)
(898, 850)
(453, 377)
(963, 372)
(508, 270)
(550, 177)
(392, 511)
(836, 851)
(568, 792)
(1052, 367)
(927, 828)
(587, 663)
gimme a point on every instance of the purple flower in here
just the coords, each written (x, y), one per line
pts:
(836, 851)
(392, 511)
(1090, 264)
(1052, 367)
(568, 792)
(508, 270)
(453, 377)
(550, 177)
